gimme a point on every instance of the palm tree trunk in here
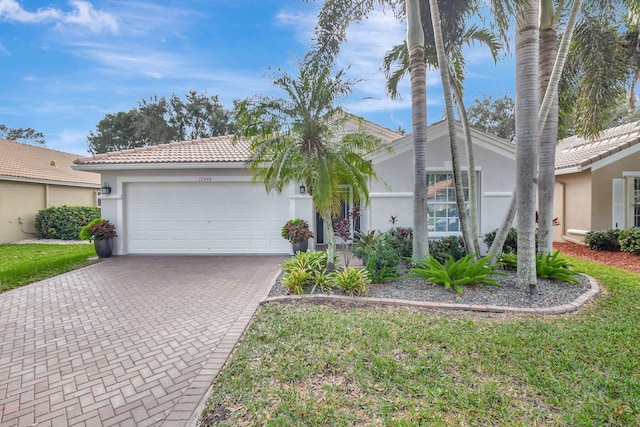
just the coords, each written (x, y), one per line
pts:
(473, 192)
(453, 141)
(417, 70)
(552, 61)
(331, 240)
(548, 141)
(501, 235)
(526, 53)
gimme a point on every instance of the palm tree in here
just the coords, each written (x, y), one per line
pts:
(301, 139)
(526, 53)
(418, 69)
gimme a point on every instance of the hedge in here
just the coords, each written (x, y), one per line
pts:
(64, 222)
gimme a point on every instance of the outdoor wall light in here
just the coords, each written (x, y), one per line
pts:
(106, 188)
(303, 189)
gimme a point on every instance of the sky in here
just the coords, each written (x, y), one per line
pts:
(64, 65)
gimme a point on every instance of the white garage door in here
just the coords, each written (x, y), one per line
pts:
(204, 218)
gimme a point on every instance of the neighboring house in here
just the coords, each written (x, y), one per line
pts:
(598, 183)
(34, 178)
(198, 197)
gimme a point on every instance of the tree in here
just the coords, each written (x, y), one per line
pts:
(23, 135)
(418, 71)
(158, 121)
(494, 116)
(527, 105)
(301, 138)
(336, 15)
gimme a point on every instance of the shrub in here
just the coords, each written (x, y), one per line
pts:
(64, 222)
(380, 275)
(510, 244)
(98, 229)
(606, 240)
(456, 273)
(555, 267)
(364, 243)
(382, 255)
(352, 281)
(452, 246)
(630, 240)
(314, 264)
(508, 261)
(296, 231)
(401, 240)
(295, 280)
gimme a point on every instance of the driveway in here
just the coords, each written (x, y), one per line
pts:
(133, 340)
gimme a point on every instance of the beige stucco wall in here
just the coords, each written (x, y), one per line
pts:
(573, 191)
(603, 187)
(21, 201)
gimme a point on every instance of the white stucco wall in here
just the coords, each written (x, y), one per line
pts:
(393, 194)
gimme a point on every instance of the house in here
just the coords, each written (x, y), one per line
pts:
(34, 178)
(597, 183)
(198, 197)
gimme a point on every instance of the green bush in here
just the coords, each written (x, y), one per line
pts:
(555, 267)
(64, 222)
(452, 246)
(382, 255)
(306, 269)
(510, 244)
(630, 240)
(603, 240)
(401, 240)
(352, 281)
(456, 274)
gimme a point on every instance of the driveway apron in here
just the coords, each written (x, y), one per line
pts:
(133, 340)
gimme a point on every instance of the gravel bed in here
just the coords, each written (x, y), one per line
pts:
(550, 293)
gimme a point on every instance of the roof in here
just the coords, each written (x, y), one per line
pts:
(219, 149)
(207, 150)
(581, 153)
(23, 162)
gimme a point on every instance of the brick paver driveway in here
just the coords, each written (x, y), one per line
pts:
(133, 340)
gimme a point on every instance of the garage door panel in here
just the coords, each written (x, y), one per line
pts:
(219, 217)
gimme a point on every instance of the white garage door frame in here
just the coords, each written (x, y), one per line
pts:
(251, 228)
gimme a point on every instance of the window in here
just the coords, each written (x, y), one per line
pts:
(441, 202)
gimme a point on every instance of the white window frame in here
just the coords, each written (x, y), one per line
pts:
(433, 232)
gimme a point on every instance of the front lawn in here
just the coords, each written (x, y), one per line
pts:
(312, 364)
(28, 263)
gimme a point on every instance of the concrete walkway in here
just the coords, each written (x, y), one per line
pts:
(131, 341)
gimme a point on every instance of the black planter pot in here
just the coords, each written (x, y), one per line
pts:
(300, 246)
(104, 247)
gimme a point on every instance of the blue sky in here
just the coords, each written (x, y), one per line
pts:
(66, 64)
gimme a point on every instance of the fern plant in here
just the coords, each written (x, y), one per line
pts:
(382, 274)
(555, 267)
(456, 274)
(352, 281)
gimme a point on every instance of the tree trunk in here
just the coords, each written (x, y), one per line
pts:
(501, 235)
(473, 188)
(417, 70)
(453, 141)
(552, 60)
(526, 53)
(548, 142)
(331, 240)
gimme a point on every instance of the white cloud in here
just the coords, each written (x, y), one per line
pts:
(83, 14)
(4, 50)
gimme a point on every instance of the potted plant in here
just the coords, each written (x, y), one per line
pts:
(297, 232)
(101, 232)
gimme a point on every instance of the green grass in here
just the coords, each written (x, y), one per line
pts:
(308, 365)
(24, 264)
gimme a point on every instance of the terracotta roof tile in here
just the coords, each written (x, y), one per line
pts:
(206, 150)
(580, 152)
(28, 162)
